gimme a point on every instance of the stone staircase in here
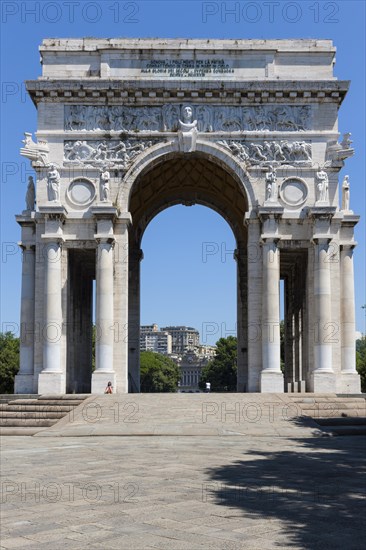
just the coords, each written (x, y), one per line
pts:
(29, 414)
(340, 414)
(181, 414)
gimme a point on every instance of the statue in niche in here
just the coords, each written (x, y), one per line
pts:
(53, 184)
(271, 185)
(104, 185)
(30, 196)
(187, 133)
(322, 186)
(346, 194)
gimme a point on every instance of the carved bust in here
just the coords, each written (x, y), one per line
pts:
(187, 114)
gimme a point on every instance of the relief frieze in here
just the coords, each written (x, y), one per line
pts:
(100, 153)
(210, 118)
(297, 153)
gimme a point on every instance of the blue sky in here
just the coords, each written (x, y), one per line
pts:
(178, 287)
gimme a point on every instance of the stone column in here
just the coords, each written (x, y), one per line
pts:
(271, 375)
(104, 370)
(24, 378)
(135, 257)
(350, 380)
(52, 378)
(323, 378)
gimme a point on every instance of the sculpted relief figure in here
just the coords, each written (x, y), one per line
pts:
(187, 133)
(30, 196)
(322, 186)
(171, 114)
(53, 184)
(104, 185)
(118, 154)
(276, 153)
(346, 194)
(271, 185)
(205, 118)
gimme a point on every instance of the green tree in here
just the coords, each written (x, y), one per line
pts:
(221, 370)
(158, 373)
(361, 361)
(9, 361)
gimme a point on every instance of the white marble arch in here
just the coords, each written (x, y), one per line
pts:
(161, 152)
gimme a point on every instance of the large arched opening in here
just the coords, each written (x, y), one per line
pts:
(188, 179)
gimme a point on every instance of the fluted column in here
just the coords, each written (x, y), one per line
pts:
(350, 378)
(24, 378)
(323, 378)
(271, 375)
(104, 370)
(52, 378)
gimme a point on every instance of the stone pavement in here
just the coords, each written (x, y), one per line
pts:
(177, 493)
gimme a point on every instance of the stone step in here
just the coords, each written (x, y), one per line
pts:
(27, 416)
(24, 422)
(343, 421)
(5, 430)
(37, 407)
(332, 406)
(349, 430)
(42, 403)
(31, 414)
(66, 397)
(332, 414)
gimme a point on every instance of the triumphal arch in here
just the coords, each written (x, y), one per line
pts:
(127, 128)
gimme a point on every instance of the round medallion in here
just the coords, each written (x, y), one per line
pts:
(293, 192)
(81, 192)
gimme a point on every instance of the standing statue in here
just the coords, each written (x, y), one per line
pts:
(30, 196)
(345, 194)
(271, 185)
(104, 185)
(346, 141)
(53, 184)
(187, 133)
(322, 186)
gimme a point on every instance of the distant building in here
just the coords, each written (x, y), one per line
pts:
(157, 341)
(149, 328)
(182, 344)
(183, 338)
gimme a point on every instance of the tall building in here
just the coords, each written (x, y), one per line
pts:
(183, 338)
(155, 340)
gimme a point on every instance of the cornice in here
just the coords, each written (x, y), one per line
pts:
(209, 91)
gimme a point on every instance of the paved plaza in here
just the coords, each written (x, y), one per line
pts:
(183, 492)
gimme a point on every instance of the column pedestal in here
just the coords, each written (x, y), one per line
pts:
(51, 383)
(100, 380)
(271, 382)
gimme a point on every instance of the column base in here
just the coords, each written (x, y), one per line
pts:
(23, 383)
(323, 382)
(272, 382)
(52, 383)
(350, 382)
(100, 380)
(296, 387)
